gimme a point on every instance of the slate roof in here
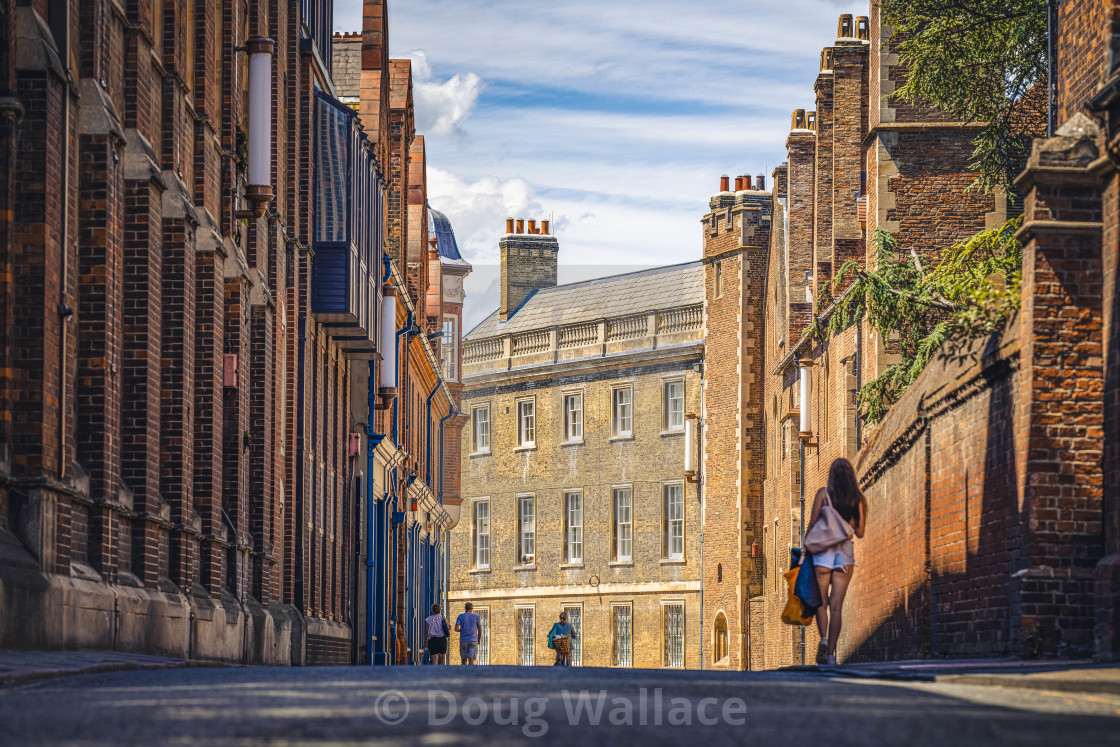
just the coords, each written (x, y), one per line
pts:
(346, 65)
(614, 296)
(440, 227)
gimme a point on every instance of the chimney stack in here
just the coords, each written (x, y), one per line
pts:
(844, 29)
(724, 183)
(509, 225)
(528, 264)
(863, 28)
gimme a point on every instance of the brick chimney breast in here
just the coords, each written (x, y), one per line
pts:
(528, 264)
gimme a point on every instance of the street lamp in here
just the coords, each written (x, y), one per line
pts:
(259, 192)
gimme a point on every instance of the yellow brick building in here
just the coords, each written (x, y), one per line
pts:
(581, 399)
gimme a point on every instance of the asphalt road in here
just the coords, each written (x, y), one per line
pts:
(507, 705)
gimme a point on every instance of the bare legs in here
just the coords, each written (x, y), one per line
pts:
(829, 613)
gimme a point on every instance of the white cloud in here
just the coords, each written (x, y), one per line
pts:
(441, 108)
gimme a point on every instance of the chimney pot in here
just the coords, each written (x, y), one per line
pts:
(738, 183)
(826, 58)
(746, 182)
(544, 227)
(761, 183)
(811, 121)
(863, 28)
(521, 225)
(797, 121)
(844, 27)
(509, 225)
(724, 183)
(532, 225)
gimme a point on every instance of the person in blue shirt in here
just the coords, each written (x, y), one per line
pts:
(469, 627)
(563, 648)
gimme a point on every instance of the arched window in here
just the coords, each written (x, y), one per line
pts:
(719, 644)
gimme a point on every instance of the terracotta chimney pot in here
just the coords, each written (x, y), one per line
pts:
(724, 183)
(509, 225)
(544, 227)
(521, 225)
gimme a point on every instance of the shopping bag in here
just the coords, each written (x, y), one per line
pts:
(794, 612)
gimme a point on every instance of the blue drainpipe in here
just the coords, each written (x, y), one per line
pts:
(375, 439)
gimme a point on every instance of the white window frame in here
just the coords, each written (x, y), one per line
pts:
(571, 425)
(573, 533)
(449, 348)
(667, 421)
(476, 448)
(668, 522)
(666, 659)
(526, 422)
(622, 413)
(622, 532)
(477, 534)
(531, 639)
(526, 529)
(620, 657)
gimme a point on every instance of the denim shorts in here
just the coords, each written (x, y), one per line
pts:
(836, 557)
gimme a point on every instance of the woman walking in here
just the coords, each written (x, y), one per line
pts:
(834, 565)
(437, 632)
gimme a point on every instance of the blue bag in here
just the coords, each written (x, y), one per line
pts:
(806, 588)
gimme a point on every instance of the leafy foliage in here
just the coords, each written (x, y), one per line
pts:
(980, 61)
(970, 292)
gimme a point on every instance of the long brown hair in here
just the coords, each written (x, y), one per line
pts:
(843, 489)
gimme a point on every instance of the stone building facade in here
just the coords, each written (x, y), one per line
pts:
(574, 487)
(186, 350)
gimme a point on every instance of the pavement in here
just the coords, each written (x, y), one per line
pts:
(582, 706)
(24, 666)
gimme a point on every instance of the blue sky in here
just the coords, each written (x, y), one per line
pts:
(614, 117)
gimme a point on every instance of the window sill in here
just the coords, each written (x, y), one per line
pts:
(673, 432)
(479, 454)
(629, 437)
(479, 570)
(525, 567)
(572, 443)
(571, 566)
(525, 447)
(673, 561)
(621, 563)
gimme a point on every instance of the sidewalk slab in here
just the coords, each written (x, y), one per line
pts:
(24, 666)
(1066, 675)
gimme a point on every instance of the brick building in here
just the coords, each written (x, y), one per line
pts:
(192, 242)
(993, 525)
(581, 401)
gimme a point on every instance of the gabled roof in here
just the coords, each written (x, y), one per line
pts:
(613, 296)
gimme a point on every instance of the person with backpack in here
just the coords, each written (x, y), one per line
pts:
(438, 633)
(839, 514)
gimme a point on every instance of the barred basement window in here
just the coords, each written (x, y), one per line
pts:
(622, 636)
(525, 636)
(674, 635)
(575, 618)
(484, 636)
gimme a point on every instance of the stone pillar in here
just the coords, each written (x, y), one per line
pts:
(1060, 433)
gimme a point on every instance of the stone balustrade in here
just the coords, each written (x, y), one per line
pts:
(656, 329)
